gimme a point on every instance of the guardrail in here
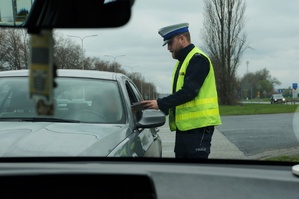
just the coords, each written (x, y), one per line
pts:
(292, 101)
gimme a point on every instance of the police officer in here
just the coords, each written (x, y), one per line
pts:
(193, 105)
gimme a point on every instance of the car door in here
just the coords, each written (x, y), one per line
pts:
(148, 138)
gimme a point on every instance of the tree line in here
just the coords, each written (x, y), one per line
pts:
(224, 40)
(259, 84)
(14, 55)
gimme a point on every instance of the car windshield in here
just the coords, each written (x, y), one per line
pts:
(75, 100)
(221, 73)
(278, 96)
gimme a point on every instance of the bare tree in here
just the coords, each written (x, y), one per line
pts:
(24, 48)
(225, 41)
(67, 54)
(14, 49)
(14, 54)
(2, 50)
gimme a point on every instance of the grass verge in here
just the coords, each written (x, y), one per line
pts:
(251, 109)
(284, 159)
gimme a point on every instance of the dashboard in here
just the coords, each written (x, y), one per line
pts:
(146, 179)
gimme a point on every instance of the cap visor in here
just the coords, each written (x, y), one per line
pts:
(166, 42)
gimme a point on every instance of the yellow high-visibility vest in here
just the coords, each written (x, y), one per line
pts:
(203, 110)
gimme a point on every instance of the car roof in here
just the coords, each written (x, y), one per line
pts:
(68, 73)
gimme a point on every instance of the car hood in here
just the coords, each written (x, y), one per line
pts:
(44, 139)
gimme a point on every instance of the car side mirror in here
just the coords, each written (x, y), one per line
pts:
(151, 119)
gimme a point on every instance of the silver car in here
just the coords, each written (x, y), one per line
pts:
(92, 117)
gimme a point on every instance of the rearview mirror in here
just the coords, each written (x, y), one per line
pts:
(49, 14)
(151, 119)
(13, 12)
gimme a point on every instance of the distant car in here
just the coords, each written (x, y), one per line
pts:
(92, 117)
(277, 98)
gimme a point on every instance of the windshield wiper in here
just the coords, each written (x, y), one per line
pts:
(38, 119)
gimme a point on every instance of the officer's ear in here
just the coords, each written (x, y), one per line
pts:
(182, 39)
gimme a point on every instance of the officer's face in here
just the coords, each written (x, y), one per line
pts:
(174, 46)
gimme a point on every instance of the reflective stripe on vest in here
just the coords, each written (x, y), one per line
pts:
(203, 110)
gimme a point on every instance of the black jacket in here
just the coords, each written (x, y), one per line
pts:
(196, 73)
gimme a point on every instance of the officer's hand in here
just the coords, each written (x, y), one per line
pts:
(150, 104)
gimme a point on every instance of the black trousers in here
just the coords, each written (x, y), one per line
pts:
(195, 143)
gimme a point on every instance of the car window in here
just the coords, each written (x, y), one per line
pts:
(5, 95)
(134, 96)
(84, 100)
(135, 91)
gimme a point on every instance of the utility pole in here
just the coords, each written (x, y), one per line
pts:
(132, 67)
(82, 40)
(114, 58)
(247, 63)
(14, 11)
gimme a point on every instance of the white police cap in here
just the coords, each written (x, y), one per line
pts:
(169, 32)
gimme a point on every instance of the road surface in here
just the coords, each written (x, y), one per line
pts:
(246, 137)
(254, 134)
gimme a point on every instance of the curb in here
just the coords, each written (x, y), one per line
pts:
(222, 148)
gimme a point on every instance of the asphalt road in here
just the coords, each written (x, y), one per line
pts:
(168, 138)
(264, 102)
(245, 137)
(254, 134)
(221, 148)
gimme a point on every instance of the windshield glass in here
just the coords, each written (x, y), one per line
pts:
(223, 75)
(14, 12)
(278, 95)
(76, 99)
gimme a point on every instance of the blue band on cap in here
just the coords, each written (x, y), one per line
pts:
(176, 32)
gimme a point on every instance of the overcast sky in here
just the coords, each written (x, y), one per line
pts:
(272, 27)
